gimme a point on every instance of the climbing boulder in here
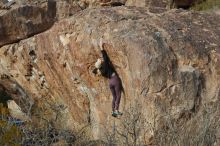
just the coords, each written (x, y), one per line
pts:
(168, 64)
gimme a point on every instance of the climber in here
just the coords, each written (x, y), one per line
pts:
(106, 69)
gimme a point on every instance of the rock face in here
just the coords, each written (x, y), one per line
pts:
(168, 63)
(63, 8)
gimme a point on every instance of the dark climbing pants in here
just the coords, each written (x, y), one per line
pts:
(116, 88)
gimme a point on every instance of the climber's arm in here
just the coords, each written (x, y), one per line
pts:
(104, 53)
(105, 56)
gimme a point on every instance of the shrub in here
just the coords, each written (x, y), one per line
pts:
(9, 133)
(207, 5)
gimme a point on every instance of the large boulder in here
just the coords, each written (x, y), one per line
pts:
(22, 19)
(25, 21)
(168, 63)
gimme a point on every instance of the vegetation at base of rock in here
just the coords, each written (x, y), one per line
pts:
(10, 134)
(128, 130)
(28, 134)
(182, 131)
(207, 5)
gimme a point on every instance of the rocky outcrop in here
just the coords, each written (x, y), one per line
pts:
(33, 17)
(24, 21)
(63, 8)
(15, 111)
(168, 63)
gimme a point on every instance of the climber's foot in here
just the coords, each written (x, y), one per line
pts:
(119, 113)
(114, 114)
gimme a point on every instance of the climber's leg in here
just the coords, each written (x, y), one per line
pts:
(114, 97)
(118, 96)
(115, 86)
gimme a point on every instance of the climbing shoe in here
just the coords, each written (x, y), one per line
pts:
(114, 114)
(119, 113)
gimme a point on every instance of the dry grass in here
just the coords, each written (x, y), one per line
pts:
(201, 129)
(207, 5)
(29, 134)
(9, 133)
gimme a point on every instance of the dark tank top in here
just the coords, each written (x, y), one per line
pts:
(107, 68)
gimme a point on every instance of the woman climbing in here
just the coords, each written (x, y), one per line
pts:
(107, 70)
